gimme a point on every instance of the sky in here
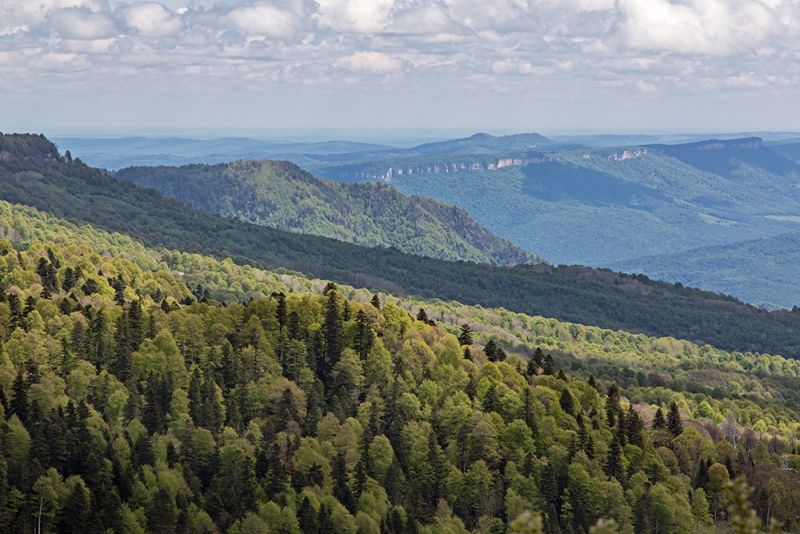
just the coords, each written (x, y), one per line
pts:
(435, 66)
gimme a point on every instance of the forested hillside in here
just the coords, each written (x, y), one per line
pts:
(281, 195)
(762, 271)
(128, 404)
(596, 206)
(33, 173)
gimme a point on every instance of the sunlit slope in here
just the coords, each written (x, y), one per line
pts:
(593, 297)
(598, 206)
(281, 195)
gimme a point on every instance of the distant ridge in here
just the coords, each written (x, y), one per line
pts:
(281, 195)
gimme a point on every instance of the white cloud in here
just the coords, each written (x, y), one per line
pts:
(265, 20)
(151, 19)
(359, 16)
(561, 46)
(373, 62)
(81, 23)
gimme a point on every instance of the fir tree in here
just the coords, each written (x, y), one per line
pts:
(634, 427)
(538, 357)
(613, 467)
(161, 516)
(567, 402)
(334, 343)
(674, 423)
(422, 316)
(701, 478)
(659, 422)
(19, 401)
(280, 309)
(376, 302)
(364, 336)
(465, 338)
(612, 404)
(490, 350)
(549, 367)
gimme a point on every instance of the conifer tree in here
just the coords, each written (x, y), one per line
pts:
(567, 402)
(634, 427)
(538, 357)
(465, 338)
(674, 423)
(613, 467)
(161, 516)
(280, 309)
(19, 405)
(549, 367)
(364, 336)
(659, 422)
(195, 396)
(334, 343)
(341, 483)
(531, 368)
(422, 316)
(701, 478)
(612, 404)
(490, 349)
(376, 302)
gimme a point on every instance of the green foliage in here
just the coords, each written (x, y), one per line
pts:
(281, 195)
(596, 297)
(214, 428)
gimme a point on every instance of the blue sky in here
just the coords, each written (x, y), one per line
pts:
(569, 66)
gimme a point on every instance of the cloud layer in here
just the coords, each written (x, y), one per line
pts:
(638, 46)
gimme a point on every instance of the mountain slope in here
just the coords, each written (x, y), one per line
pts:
(32, 173)
(597, 206)
(759, 271)
(327, 411)
(281, 195)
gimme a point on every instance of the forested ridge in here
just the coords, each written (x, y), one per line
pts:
(281, 195)
(130, 402)
(34, 174)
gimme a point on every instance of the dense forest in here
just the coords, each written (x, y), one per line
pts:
(34, 174)
(281, 195)
(131, 402)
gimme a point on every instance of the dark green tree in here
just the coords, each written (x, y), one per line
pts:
(567, 402)
(465, 338)
(161, 514)
(659, 422)
(674, 422)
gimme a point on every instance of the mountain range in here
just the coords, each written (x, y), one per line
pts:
(33, 173)
(170, 370)
(281, 195)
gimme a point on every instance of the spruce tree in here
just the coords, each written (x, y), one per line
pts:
(422, 316)
(490, 350)
(612, 404)
(701, 478)
(613, 467)
(659, 422)
(334, 342)
(280, 309)
(376, 302)
(567, 402)
(634, 427)
(19, 405)
(364, 336)
(161, 516)
(549, 367)
(538, 357)
(674, 423)
(341, 483)
(195, 396)
(465, 338)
